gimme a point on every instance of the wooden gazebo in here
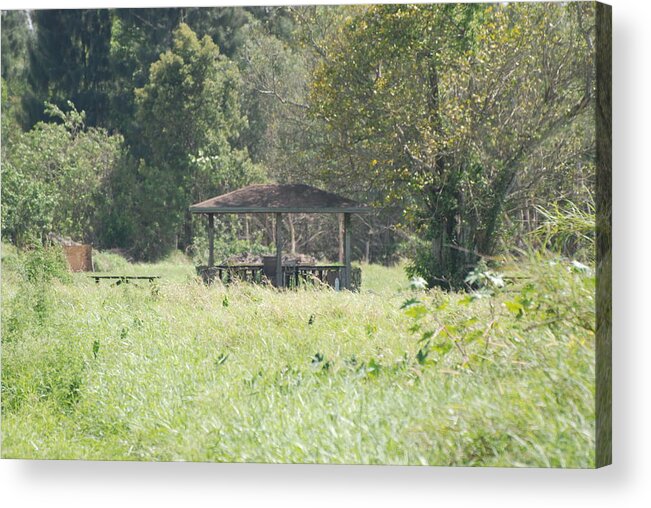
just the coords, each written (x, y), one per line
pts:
(279, 199)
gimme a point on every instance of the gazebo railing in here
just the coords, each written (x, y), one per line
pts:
(293, 275)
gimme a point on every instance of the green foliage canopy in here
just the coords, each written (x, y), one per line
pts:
(54, 178)
(449, 107)
(190, 120)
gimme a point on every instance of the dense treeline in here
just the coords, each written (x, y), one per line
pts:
(465, 122)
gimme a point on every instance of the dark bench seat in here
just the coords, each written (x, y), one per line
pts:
(124, 278)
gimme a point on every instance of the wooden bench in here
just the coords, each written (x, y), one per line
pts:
(119, 279)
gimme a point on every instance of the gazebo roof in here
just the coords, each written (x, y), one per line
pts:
(293, 198)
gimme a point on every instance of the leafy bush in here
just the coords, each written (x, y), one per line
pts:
(41, 265)
(32, 272)
(447, 273)
(54, 176)
(509, 309)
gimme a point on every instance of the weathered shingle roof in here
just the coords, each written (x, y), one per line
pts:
(294, 198)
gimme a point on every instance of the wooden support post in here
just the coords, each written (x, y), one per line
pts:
(279, 251)
(347, 270)
(211, 240)
(340, 223)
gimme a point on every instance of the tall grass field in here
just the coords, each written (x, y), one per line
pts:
(178, 371)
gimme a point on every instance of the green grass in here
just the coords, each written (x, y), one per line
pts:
(181, 371)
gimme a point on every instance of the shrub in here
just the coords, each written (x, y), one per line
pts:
(43, 264)
(532, 300)
(54, 178)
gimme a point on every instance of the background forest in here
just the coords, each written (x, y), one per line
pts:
(469, 126)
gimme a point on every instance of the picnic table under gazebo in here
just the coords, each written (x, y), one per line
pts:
(280, 199)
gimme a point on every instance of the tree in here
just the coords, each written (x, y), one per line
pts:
(449, 109)
(189, 121)
(69, 60)
(140, 36)
(16, 39)
(287, 139)
(54, 179)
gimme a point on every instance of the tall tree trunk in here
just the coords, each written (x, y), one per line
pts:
(501, 191)
(367, 256)
(186, 238)
(292, 233)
